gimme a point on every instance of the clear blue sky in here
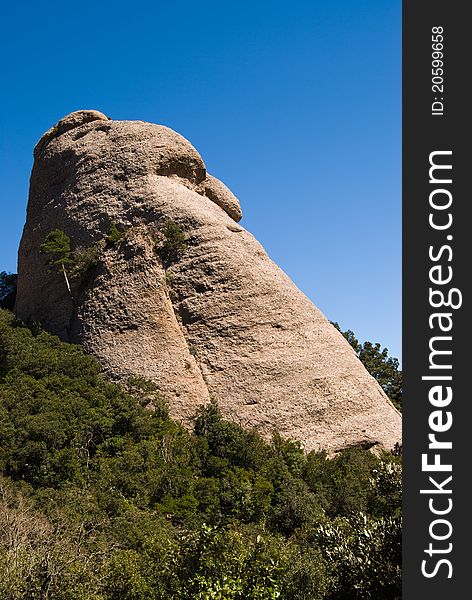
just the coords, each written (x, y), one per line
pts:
(296, 106)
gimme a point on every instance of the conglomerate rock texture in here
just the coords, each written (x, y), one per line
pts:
(218, 320)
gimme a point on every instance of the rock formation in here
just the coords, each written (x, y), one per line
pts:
(217, 319)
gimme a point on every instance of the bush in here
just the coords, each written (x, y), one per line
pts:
(85, 259)
(174, 244)
(115, 500)
(114, 236)
(7, 286)
(356, 551)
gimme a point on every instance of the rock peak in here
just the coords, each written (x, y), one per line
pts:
(185, 296)
(70, 121)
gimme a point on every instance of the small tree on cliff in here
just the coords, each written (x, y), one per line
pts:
(57, 246)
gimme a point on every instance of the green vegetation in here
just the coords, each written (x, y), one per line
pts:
(384, 368)
(114, 236)
(85, 259)
(7, 283)
(169, 278)
(7, 289)
(75, 264)
(57, 246)
(72, 264)
(174, 244)
(103, 499)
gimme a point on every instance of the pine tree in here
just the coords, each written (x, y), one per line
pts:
(57, 245)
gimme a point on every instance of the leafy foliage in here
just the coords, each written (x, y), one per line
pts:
(7, 283)
(7, 289)
(102, 498)
(384, 368)
(73, 264)
(57, 245)
(358, 546)
(114, 236)
(174, 242)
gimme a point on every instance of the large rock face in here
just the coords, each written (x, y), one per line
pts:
(219, 320)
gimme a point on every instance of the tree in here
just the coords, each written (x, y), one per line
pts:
(7, 283)
(114, 235)
(47, 558)
(57, 245)
(7, 289)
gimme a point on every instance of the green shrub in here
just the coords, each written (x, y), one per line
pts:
(169, 278)
(174, 244)
(118, 501)
(71, 264)
(7, 285)
(57, 246)
(85, 259)
(363, 555)
(114, 236)
(305, 576)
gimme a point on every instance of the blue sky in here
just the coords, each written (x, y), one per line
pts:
(295, 106)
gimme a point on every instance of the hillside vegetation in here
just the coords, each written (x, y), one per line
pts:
(103, 496)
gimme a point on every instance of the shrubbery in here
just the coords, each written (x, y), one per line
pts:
(72, 264)
(101, 498)
(114, 236)
(174, 244)
(7, 284)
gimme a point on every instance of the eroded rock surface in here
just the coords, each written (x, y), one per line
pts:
(217, 320)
